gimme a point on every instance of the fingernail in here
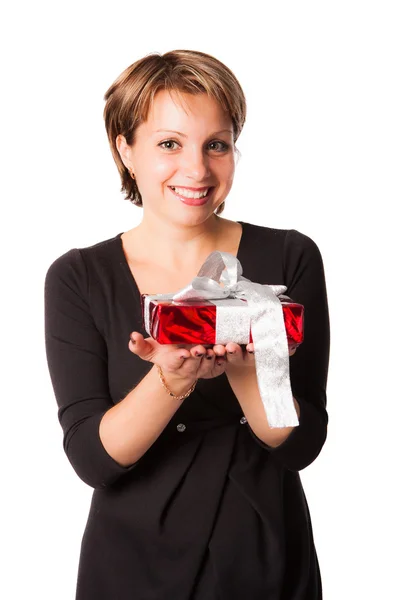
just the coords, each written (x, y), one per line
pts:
(199, 354)
(209, 357)
(250, 351)
(231, 352)
(131, 338)
(183, 357)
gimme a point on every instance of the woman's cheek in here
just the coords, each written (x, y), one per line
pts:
(163, 167)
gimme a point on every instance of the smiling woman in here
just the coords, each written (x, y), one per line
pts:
(194, 162)
(195, 496)
(183, 74)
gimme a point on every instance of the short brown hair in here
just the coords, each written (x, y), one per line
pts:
(130, 97)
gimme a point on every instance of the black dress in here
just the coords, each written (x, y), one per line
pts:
(209, 511)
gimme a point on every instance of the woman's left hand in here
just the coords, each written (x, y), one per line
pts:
(237, 358)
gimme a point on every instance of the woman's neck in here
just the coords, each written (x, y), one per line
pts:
(176, 247)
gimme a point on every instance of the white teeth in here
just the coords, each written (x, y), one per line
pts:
(190, 193)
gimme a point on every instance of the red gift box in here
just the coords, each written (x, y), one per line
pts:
(194, 321)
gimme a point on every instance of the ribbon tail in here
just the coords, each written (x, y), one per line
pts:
(271, 355)
(279, 406)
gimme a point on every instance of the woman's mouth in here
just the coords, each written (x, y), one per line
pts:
(191, 197)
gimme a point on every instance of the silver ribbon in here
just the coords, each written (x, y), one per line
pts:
(262, 313)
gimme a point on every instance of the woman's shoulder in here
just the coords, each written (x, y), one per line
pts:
(289, 237)
(75, 262)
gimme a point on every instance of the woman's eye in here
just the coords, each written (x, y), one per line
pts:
(223, 145)
(167, 142)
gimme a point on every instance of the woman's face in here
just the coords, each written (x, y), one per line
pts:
(201, 155)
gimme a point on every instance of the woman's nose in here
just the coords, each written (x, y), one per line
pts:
(196, 164)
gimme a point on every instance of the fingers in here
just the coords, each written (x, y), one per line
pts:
(187, 360)
(136, 343)
(195, 360)
(235, 352)
(235, 355)
(211, 365)
(207, 363)
(200, 363)
(210, 356)
(219, 349)
(198, 351)
(201, 355)
(215, 359)
(145, 348)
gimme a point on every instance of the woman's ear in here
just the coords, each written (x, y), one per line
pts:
(124, 151)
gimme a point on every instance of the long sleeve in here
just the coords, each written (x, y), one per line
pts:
(305, 280)
(77, 361)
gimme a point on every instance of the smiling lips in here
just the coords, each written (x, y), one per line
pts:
(190, 192)
(193, 198)
(192, 189)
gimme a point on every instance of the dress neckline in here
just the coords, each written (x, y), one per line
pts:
(130, 276)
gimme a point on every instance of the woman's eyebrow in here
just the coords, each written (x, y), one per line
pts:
(184, 135)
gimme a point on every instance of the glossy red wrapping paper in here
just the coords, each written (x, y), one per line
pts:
(193, 322)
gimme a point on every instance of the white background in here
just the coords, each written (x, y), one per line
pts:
(320, 154)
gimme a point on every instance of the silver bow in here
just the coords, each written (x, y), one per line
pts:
(262, 313)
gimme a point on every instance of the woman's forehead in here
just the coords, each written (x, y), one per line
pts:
(174, 111)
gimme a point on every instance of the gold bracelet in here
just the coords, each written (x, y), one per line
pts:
(183, 396)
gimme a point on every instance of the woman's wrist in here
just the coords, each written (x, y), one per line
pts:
(240, 372)
(175, 383)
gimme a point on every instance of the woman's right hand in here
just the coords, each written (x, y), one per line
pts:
(184, 361)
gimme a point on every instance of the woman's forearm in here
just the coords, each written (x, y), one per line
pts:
(245, 387)
(128, 429)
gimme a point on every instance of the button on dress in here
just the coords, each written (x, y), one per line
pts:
(209, 511)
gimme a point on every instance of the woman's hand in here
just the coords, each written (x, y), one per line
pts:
(191, 361)
(183, 361)
(237, 357)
